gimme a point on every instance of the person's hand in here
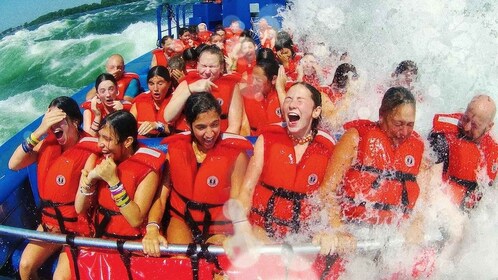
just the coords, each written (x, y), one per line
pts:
(146, 127)
(106, 170)
(94, 106)
(152, 241)
(217, 239)
(51, 117)
(89, 180)
(284, 56)
(202, 85)
(117, 105)
(336, 242)
(281, 79)
(177, 74)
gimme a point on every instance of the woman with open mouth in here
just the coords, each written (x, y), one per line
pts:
(102, 104)
(206, 168)
(60, 157)
(287, 168)
(148, 107)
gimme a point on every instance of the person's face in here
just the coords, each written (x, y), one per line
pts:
(206, 129)
(299, 110)
(473, 126)
(64, 130)
(185, 37)
(167, 44)
(115, 66)
(407, 77)
(106, 92)
(248, 50)
(158, 87)
(218, 41)
(209, 66)
(398, 124)
(108, 143)
(221, 33)
(308, 62)
(260, 83)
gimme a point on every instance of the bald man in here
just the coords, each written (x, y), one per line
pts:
(128, 83)
(463, 144)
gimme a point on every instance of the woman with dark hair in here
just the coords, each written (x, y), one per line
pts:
(60, 157)
(103, 103)
(148, 107)
(190, 56)
(286, 54)
(206, 168)
(343, 77)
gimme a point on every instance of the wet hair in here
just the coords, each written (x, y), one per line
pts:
(192, 29)
(164, 39)
(213, 49)
(270, 67)
(105, 77)
(341, 77)
(248, 39)
(124, 125)
(200, 48)
(406, 65)
(176, 62)
(316, 96)
(394, 97)
(265, 53)
(160, 71)
(284, 40)
(182, 31)
(199, 103)
(69, 106)
(190, 54)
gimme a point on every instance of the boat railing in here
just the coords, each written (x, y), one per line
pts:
(176, 16)
(173, 249)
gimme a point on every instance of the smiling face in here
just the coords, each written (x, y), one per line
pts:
(308, 62)
(260, 83)
(107, 91)
(206, 129)
(299, 110)
(209, 66)
(248, 50)
(158, 87)
(398, 124)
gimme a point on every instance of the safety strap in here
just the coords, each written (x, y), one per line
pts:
(194, 260)
(100, 227)
(125, 257)
(269, 214)
(58, 214)
(329, 262)
(198, 235)
(470, 188)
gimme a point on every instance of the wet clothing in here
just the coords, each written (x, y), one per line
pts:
(261, 113)
(381, 187)
(464, 161)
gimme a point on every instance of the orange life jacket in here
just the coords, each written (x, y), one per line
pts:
(465, 160)
(279, 203)
(262, 113)
(160, 56)
(87, 105)
(147, 111)
(381, 187)
(223, 93)
(200, 190)
(124, 82)
(58, 181)
(109, 221)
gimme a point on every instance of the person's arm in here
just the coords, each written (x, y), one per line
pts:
(280, 85)
(237, 177)
(235, 111)
(87, 188)
(27, 152)
(153, 238)
(91, 126)
(153, 62)
(91, 93)
(132, 90)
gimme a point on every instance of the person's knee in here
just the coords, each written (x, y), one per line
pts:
(62, 275)
(27, 266)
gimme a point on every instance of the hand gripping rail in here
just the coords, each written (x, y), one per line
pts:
(171, 249)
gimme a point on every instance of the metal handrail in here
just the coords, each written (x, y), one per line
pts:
(172, 249)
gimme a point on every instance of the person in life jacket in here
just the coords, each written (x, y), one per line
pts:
(376, 166)
(208, 78)
(60, 157)
(288, 166)
(148, 107)
(242, 59)
(205, 169)
(102, 104)
(128, 83)
(261, 100)
(203, 34)
(463, 144)
(267, 35)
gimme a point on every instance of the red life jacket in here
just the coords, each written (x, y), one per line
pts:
(279, 203)
(58, 181)
(147, 111)
(262, 113)
(87, 105)
(244, 66)
(199, 191)
(466, 159)
(381, 187)
(223, 93)
(160, 56)
(124, 82)
(204, 36)
(110, 222)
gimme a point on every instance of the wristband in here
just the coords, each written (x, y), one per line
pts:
(154, 224)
